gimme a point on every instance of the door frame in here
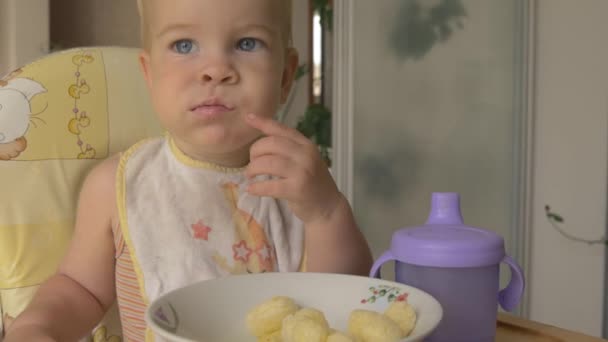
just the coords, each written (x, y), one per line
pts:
(343, 97)
(343, 133)
(523, 173)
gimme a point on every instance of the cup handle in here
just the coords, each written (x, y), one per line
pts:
(375, 272)
(510, 296)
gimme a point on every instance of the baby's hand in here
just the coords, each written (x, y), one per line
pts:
(301, 176)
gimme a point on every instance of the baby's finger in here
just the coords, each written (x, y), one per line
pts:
(276, 188)
(272, 127)
(274, 145)
(271, 165)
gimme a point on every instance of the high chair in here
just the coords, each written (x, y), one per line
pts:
(59, 116)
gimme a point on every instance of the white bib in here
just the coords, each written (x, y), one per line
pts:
(186, 221)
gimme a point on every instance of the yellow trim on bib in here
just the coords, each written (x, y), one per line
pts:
(184, 159)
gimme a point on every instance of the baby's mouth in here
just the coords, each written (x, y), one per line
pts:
(212, 105)
(212, 108)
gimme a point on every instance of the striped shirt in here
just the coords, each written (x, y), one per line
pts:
(128, 295)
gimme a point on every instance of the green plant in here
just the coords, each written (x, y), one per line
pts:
(316, 125)
(326, 13)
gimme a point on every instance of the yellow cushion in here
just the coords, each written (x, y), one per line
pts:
(60, 116)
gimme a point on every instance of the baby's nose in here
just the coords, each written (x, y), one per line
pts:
(221, 73)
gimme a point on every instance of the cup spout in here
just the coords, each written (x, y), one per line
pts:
(445, 209)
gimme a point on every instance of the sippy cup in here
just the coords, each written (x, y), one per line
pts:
(459, 266)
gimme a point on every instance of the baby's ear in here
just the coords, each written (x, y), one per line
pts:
(144, 65)
(289, 73)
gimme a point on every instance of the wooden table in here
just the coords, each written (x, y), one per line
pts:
(511, 328)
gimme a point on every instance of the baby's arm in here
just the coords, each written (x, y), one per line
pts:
(69, 304)
(335, 243)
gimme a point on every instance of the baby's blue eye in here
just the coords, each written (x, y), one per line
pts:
(248, 44)
(184, 46)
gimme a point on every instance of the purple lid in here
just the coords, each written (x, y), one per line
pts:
(444, 241)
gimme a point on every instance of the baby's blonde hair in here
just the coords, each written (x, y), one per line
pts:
(144, 28)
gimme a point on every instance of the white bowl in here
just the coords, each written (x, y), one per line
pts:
(215, 310)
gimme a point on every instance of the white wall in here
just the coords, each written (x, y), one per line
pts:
(567, 284)
(31, 21)
(4, 27)
(24, 32)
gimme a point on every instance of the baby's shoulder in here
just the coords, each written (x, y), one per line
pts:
(104, 173)
(98, 191)
(97, 199)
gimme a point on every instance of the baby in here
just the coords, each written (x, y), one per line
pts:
(228, 190)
